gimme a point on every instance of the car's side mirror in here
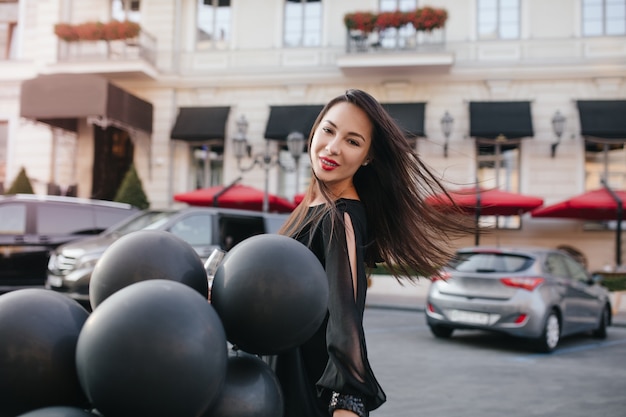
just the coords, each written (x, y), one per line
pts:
(596, 279)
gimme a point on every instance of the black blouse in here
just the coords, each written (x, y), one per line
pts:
(335, 358)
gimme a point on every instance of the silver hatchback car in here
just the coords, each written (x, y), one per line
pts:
(539, 294)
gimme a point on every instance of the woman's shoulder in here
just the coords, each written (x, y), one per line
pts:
(354, 208)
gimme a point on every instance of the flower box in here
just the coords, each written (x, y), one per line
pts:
(96, 31)
(422, 19)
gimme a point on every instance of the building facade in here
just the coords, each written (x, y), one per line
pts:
(531, 94)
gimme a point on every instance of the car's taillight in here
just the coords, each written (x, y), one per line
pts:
(526, 283)
(441, 276)
(520, 319)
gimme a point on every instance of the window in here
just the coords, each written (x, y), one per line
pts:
(397, 38)
(208, 165)
(604, 17)
(195, 229)
(609, 163)
(214, 17)
(498, 167)
(4, 139)
(122, 10)
(604, 161)
(8, 26)
(64, 220)
(498, 19)
(303, 23)
(13, 219)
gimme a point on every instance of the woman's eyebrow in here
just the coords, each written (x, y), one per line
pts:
(350, 133)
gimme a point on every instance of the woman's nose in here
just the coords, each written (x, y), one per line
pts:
(331, 147)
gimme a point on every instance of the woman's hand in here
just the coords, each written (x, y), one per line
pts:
(344, 413)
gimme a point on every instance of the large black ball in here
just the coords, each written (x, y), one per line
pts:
(58, 411)
(39, 330)
(144, 255)
(251, 390)
(271, 293)
(154, 348)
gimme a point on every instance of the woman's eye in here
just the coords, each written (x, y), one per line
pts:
(326, 130)
(353, 142)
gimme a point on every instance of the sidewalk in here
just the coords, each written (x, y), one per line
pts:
(386, 292)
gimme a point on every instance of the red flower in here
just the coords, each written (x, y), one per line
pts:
(90, 31)
(95, 31)
(428, 18)
(115, 30)
(66, 32)
(363, 21)
(387, 20)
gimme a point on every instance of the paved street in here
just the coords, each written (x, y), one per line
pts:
(484, 375)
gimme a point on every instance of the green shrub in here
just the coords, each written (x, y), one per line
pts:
(131, 190)
(614, 282)
(21, 184)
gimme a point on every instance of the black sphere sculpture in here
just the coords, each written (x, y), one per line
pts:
(39, 330)
(271, 293)
(145, 255)
(58, 411)
(251, 389)
(155, 348)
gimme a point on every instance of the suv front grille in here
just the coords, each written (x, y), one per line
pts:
(64, 264)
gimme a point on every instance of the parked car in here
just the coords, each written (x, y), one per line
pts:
(539, 294)
(32, 225)
(204, 228)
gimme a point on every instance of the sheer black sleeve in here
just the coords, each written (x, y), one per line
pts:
(348, 370)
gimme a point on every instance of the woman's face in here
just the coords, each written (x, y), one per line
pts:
(340, 146)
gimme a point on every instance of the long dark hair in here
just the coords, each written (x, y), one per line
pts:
(411, 238)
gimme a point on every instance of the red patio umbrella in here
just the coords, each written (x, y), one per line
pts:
(593, 205)
(236, 196)
(486, 202)
(297, 199)
(601, 204)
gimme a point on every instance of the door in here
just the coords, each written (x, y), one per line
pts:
(113, 156)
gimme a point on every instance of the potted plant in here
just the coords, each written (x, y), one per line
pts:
(117, 30)
(96, 31)
(427, 18)
(66, 31)
(365, 22)
(90, 31)
(395, 20)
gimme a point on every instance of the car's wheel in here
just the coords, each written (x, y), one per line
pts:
(550, 335)
(600, 332)
(441, 331)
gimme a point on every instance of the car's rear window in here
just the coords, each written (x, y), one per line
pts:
(490, 262)
(13, 219)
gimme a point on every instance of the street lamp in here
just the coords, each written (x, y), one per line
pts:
(446, 126)
(295, 145)
(558, 125)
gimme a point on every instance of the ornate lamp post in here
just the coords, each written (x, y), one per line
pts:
(446, 126)
(558, 126)
(295, 144)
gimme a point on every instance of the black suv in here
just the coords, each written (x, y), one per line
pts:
(32, 225)
(204, 228)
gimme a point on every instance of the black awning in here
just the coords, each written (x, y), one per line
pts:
(500, 119)
(200, 124)
(61, 99)
(603, 118)
(284, 120)
(409, 116)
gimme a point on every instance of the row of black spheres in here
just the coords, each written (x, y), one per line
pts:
(153, 345)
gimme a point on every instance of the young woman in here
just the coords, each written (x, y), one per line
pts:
(365, 205)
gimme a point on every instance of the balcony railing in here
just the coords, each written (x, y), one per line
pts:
(395, 40)
(142, 47)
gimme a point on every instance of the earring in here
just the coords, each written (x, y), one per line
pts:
(364, 163)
